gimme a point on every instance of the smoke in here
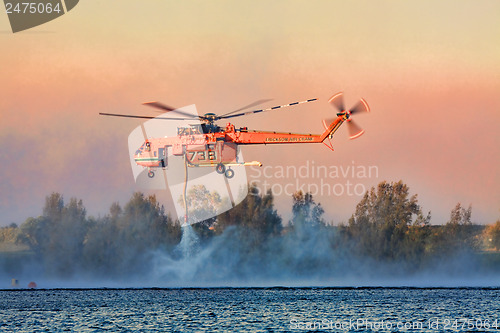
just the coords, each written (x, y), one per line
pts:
(309, 259)
(239, 258)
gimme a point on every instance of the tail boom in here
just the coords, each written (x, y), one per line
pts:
(332, 128)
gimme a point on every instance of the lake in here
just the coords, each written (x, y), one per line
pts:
(275, 309)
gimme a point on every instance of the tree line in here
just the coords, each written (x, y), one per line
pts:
(387, 227)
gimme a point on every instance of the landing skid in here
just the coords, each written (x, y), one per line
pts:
(221, 167)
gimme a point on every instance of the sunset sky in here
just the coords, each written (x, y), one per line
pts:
(430, 71)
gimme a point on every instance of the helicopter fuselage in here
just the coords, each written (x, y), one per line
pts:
(211, 145)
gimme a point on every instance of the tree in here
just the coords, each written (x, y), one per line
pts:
(58, 236)
(33, 233)
(102, 252)
(458, 233)
(123, 241)
(493, 235)
(388, 223)
(460, 216)
(53, 208)
(38, 232)
(306, 213)
(10, 234)
(255, 213)
(115, 211)
(144, 224)
(308, 243)
(203, 206)
(67, 238)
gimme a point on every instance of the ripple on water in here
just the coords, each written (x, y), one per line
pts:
(233, 309)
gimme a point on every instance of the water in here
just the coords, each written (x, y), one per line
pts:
(251, 309)
(188, 246)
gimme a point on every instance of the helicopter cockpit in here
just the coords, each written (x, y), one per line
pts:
(196, 129)
(146, 146)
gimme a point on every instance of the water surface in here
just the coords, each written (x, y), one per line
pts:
(251, 309)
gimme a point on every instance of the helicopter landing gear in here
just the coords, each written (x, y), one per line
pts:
(229, 173)
(151, 173)
(220, 168)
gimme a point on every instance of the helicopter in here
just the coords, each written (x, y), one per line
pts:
(207, 144)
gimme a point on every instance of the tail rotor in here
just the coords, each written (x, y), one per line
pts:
(337, 101)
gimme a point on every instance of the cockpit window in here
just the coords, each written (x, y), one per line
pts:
(141, 149)
(193, 129)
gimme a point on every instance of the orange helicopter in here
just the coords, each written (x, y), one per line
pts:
(208, 145)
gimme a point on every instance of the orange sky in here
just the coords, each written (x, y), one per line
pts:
(430, 71)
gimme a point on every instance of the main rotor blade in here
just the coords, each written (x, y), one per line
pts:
(140, 117)
(167, 108)
(269, 109)
(354, 130)
(159, 105)
(260, 101)
(362, 106)
(337, 101)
